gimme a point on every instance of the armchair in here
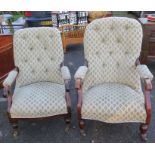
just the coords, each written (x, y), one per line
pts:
(109, 90)
(41, 86)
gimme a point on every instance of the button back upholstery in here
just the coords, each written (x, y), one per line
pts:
(39, 90)
(111, 47)
(38, 53)
(112, 86)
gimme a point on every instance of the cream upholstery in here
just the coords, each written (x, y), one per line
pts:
(81, 72)
(40, 99)
(113, 103)
(38, 53)
(39, 90)
(65, 73)
(111, 47)
(144, 72)
(112, 87)
(10, 78)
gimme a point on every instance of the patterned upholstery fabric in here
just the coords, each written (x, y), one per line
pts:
(111, 47)
(112, 87)
(38, 53)
(40, 99)
(10, 78)
(144, 72)
(65, 73)
(39, 90)
(81, 72)
(114, 103)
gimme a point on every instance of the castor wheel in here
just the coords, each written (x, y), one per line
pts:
(15, 133)
(143, 132)
(67, 128)
(144, 137)
(82, 132)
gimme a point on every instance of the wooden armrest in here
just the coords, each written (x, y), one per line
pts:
(148, 84)
(67, 84)
(78, 83)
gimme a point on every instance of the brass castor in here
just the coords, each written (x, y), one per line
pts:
(144, 137)
(15, 133)
(68, 126)
(15, 129)
(143, 131)
(82, 132)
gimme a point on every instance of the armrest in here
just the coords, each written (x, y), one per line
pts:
(65, 73)
(10, 78)
(144, 72)
(81, 72)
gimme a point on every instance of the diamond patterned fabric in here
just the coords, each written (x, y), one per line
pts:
(40, 99)
(38, 53)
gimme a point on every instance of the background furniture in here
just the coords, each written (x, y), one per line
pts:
(141, 14)
(98, 14)
(72, 34)
(6, 56)
(41, 88)
(148, 46)
(110, 91)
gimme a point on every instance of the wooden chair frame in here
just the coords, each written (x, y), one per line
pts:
(14, 121)
(143, 126)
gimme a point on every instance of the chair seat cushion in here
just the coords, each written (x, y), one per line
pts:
(113, 103)
(41, 99)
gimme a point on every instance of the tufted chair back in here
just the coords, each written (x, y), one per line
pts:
(111, 47)
(38, 53)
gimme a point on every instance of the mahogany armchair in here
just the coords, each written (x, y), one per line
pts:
(109, 86)
(41, 83)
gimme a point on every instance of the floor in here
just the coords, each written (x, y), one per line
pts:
(54, 130)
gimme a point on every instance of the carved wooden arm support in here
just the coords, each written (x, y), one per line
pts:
(8, 82)
(67, 77)
(78, 86)
(67, 95)
(148, 88)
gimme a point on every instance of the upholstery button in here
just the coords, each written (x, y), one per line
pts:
(25, 60)
(110, 52)
(118, 40)
(51, 36)
(23, 37)
(46, 70)
(38, 59)
(37, 37)
(96, 28)
(127, 27)
(126, 52)
(103, 65)
(118, 64)
(103, 40)
(52, 59)
(112, 27)
(97, 53)
(33, 71)
(31, 48)
(45, 48)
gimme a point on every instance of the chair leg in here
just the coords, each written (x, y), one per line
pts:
(68, 123)
(82, 125)
(4, 93)
(143, 131)
(14, 123)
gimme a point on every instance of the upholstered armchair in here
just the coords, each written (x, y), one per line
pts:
(109, 86)
(40, 77)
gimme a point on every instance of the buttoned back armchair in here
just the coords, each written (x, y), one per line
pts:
(109, 85)
(41, 88)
